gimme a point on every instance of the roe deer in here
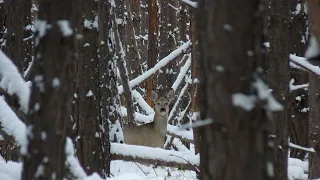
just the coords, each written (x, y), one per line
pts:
(151, 134)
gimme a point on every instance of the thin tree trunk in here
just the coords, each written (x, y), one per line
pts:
(299, 122)
(279, 14)
(152, 45)
(51, 92)
(234, 145)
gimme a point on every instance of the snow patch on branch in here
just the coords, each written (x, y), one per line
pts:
(65, 27)
(91, 24)
(296, 87)
(12, 82)
(12, 125)
(246, 102)
(183, 71)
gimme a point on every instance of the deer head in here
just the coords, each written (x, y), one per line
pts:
(162, 102)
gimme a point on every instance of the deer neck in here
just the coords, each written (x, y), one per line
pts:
(160, 123)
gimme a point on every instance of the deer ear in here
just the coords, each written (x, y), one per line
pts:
(170, 95)
(154, 95)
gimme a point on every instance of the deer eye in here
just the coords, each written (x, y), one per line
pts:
(166, 103)
(158, 103)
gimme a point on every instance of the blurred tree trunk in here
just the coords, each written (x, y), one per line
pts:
(299, 122)
(235, 144)
(14, 36)
(152, 46)
(314, 101)
(279, 15)
(51, 95)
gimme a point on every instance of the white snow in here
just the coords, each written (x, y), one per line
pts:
(191, 3)
(72, 162)
(301, 62)
(12, 82)
(244, 101)
(91, 24)
(89, 94)
(154, 153)
(180, 132)
(301, 148)
(12, 125)
(65, 27)
(296, 87)
(183, 71)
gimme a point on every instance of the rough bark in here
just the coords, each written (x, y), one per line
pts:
(314, 114)
(234, 146)
(167, 41)
(152, 45)
(314, 136)
(51, 94)
(27, 44)
(279, 14)
(91, 107)
(14, 36)
(2, 25)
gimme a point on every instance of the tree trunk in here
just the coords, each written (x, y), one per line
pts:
(235, 144)
(299, 122)
(279, 14)
(51, 95)
(14, 36)
(314, 114)
(152, 45)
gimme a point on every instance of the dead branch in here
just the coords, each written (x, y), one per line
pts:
(185, 48)
(157, 156)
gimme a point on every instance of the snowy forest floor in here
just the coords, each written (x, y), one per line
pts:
(297, 170)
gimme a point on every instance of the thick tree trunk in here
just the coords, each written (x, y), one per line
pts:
(234, 145)
(92, 68)
(51, 94)
(279, 15)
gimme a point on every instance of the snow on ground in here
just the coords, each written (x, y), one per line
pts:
(122, 170)
(148, 172)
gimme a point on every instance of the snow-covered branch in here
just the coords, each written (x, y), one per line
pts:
(302, 63)
(179, 133)
(12, 82)
(183, 71)
(12, 125)
(191, 3)
(154, 155)
(162, 63)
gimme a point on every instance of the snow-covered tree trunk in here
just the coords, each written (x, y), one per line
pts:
(233, 96)
(52, 81)
(279, 15)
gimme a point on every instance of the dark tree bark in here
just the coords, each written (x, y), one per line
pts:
(314, 101)
(152, 45)
(235, 144)
(14, 36)
(2, 25)
(167, 41)
(27, 44)
(279, 15)
(299, 123)
(92, 87)
(51, 94)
